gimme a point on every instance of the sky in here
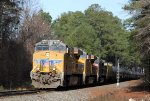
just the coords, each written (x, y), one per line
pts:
(57, 7)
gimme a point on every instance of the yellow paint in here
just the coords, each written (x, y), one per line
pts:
(87, 65)
(53, 55)
(69, 64)
(109, 70)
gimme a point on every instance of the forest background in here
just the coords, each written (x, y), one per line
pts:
(95, 30)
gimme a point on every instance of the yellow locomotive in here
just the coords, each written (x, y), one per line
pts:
(89, 72)
(55, 64)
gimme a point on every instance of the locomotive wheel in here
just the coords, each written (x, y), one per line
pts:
(102, 80)
(65, 81)
(80, 80)
(86, 80)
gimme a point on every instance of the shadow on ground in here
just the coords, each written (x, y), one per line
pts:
(142, 87)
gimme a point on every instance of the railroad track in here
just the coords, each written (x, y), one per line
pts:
(21, 92)
(18, 92)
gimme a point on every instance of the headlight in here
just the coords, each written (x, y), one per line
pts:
(47, 54)
(54, 68)
(105, 64)
(37, 69)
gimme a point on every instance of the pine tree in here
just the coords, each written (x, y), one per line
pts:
(140, 10)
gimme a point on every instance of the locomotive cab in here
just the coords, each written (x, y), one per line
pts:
(89, 72)
(48, 64)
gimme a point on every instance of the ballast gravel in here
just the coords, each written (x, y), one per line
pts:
(82, 94)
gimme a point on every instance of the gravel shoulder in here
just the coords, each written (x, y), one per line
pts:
(98, 93)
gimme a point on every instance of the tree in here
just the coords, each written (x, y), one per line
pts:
(110, 31)
(35, 27)
(21, 27)
(11, 68)
(46, 16)
(141, 19)
(140, 9)
(96, 30)
(83, 37)
(9, 19)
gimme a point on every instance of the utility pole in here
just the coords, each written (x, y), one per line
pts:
(118, 73)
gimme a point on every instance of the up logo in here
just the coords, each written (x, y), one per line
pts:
(54, 62)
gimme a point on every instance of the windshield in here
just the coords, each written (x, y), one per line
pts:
(57, 47)
(41, 47)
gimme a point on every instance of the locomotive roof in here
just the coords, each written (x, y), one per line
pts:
(51, 42)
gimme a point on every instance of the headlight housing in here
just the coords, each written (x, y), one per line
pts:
(37, 69)
(54, 68)
(47, 54)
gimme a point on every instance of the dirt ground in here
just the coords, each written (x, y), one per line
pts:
(135, 90)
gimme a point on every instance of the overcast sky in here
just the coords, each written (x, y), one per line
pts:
(56, 7)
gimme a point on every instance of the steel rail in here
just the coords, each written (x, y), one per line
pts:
(18, 92)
